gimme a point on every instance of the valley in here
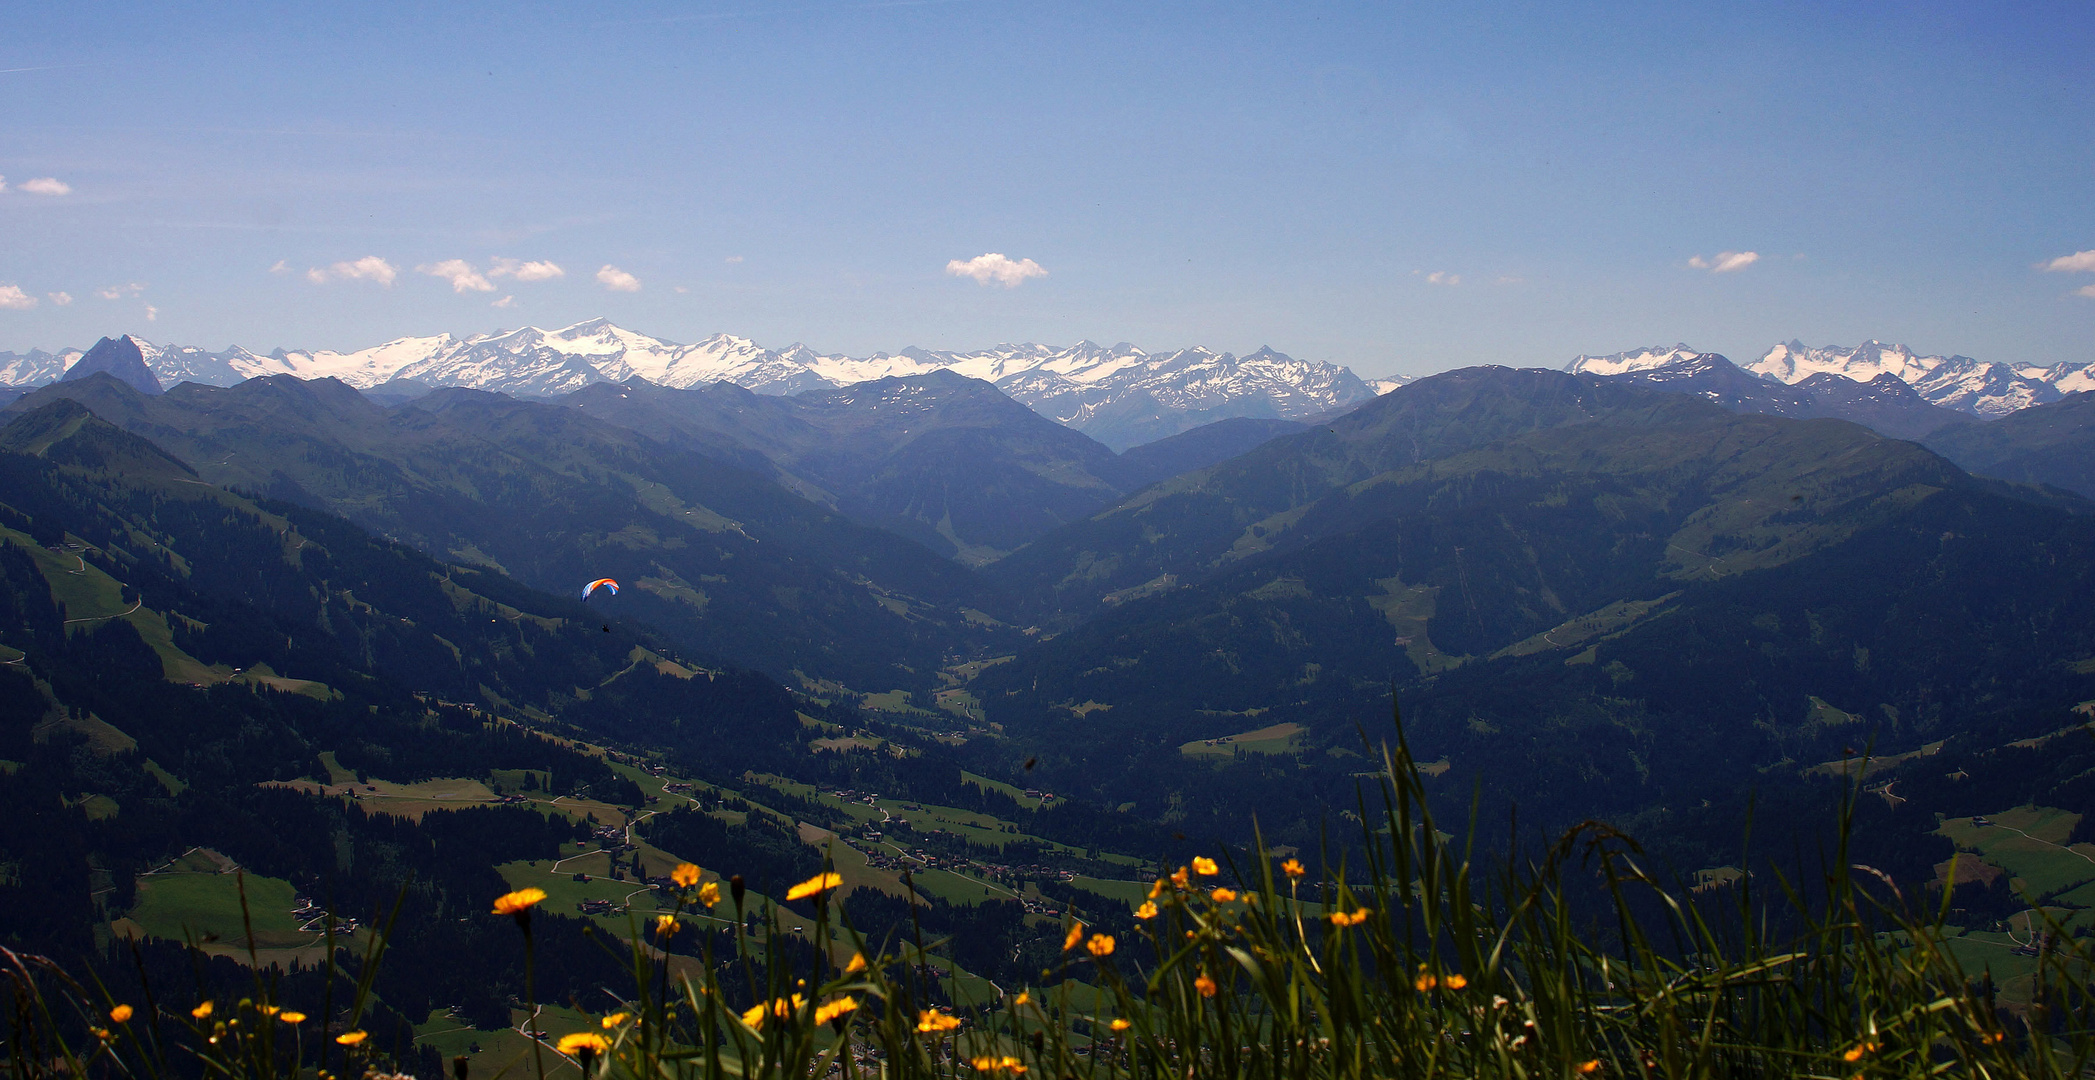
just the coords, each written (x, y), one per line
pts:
(286, 637)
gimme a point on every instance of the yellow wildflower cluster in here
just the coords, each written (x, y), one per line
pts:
(825, 1013)
(783, 1008)
(932, 1022)
(1342, 919)
(1006, 1064)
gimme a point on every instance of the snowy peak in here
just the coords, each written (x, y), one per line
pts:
(1118, 394)
(1980, 388)
(1793, 362)
(1623, 363)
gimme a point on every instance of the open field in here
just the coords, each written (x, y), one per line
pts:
(2028, 841)
(507, 1052)
(1274, 739)
(1588, 628)
(205, 904)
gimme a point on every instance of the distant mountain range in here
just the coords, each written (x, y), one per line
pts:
(1119, 395)
(1976, 387)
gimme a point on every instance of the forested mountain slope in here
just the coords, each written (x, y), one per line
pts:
(723, 560)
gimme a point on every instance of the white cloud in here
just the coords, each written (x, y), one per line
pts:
(12, 298)
(734, 258)
(281, 267)
(152, 314)
(526, 271)
(1442, 277)
(46, 185)
(1724, 262)
(60, 298)
(617, 280)
(507, 301)
(3, 183)
(460, 274)
(995, 267)
(2086, 290)
(118, 292)
(1508, 279)
(368, 268)
(2079, 261)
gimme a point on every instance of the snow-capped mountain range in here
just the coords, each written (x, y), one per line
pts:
(1977, 387)
(1119, 395)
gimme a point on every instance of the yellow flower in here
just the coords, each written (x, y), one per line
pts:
(1023, 998)
(1005, 1064)
(202, 1012)
(825, 1013)
(1457, 982)
(121, 1014)
(1156, 888)
(1076, 934)
(583, 1042)
(1148, 910)
(1590, 1066)
(1224, 895)
(518, 902)
(1121, 1023)
(932, 1021)
(709, 893)
(857, 964)
(101, 1033)
(666, 925)
(685, 875)
(1205, 866)
(1293, 868)
(1858, 1052)
(614, 1020)
(351, 1038)
(815, 886)
(1205, 985)
(1427, 982)
(779, 1007)
(290, 1016)
(266, 1010)
(1178, 877)
(1100, 945)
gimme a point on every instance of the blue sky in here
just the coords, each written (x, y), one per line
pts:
(1293, 175)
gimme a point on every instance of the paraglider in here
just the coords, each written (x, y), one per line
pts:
(603, 581)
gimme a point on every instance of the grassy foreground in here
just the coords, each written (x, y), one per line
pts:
(1571, 963)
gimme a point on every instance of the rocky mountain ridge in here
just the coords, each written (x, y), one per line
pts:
(1119, 395)
(1987, 389)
